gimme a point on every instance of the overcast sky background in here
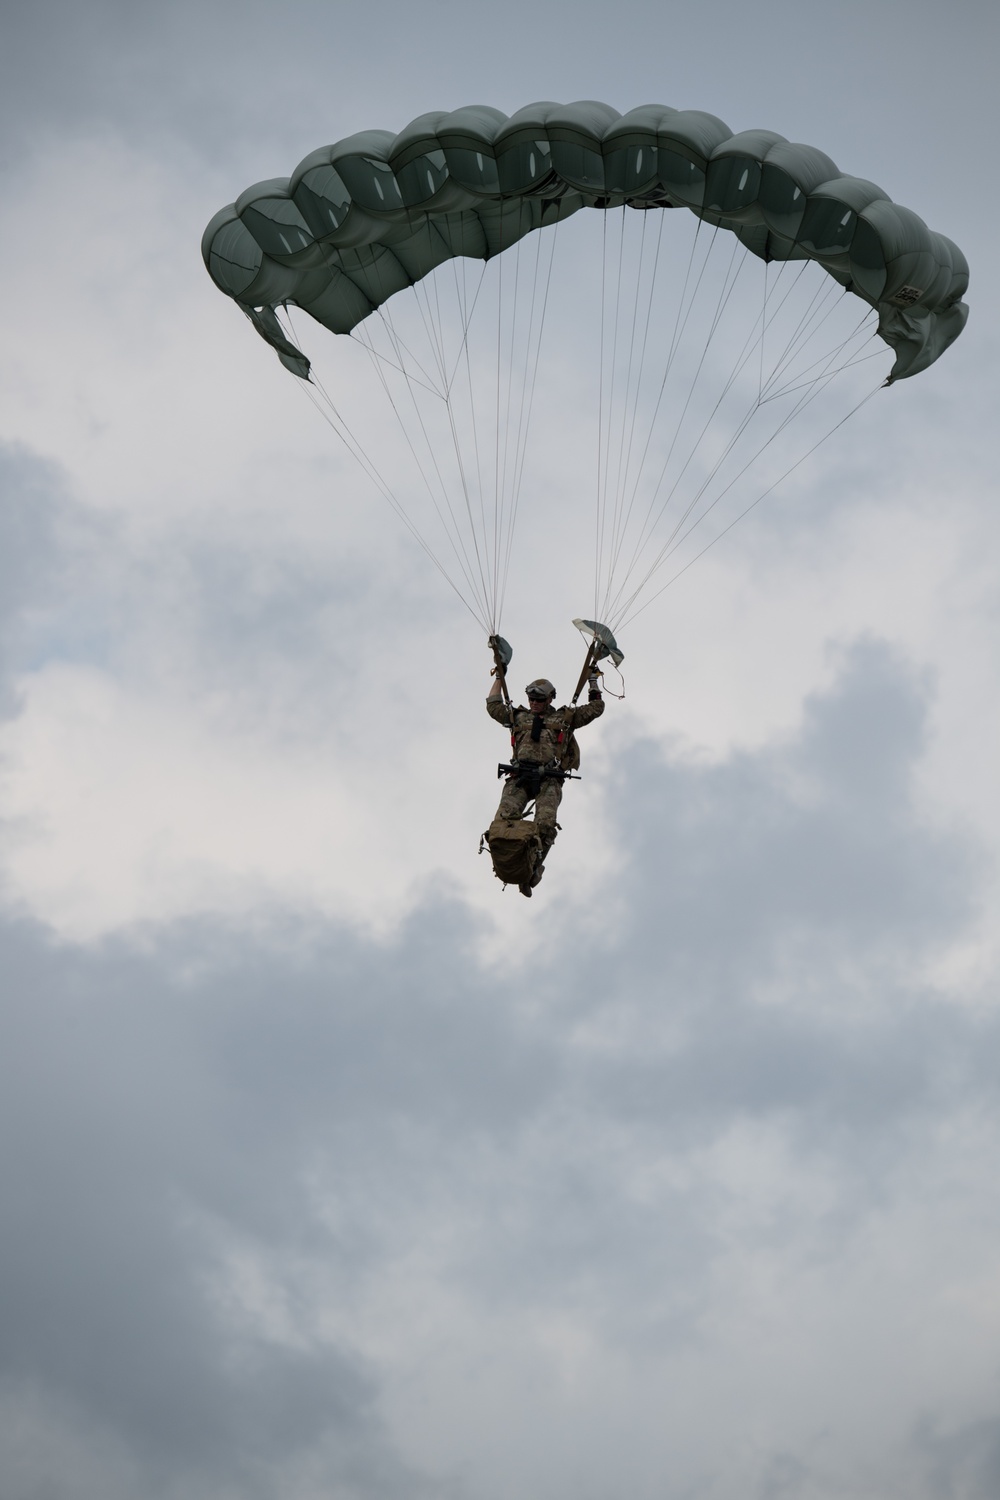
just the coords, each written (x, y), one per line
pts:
(327, 1169)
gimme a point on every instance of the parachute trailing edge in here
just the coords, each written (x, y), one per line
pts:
(364, 218)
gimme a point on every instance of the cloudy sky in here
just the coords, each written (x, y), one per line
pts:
(327, 1168)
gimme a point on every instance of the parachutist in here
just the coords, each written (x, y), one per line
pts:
(544, 753)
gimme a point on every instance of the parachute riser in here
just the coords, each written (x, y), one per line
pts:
(589, 667)
(500, 671)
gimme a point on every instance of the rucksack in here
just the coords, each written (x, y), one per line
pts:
(515, 849)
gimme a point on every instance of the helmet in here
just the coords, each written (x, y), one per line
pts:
(540, 688)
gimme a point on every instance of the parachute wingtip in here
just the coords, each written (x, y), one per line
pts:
(297, 363)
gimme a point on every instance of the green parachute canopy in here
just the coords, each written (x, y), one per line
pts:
(360, 220)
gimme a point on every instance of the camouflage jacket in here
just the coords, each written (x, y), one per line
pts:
(556, 741)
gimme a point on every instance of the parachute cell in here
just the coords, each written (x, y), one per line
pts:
(359, 220)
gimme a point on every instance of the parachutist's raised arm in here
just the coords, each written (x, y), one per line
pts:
(498, 704)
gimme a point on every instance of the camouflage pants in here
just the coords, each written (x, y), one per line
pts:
(516, 798)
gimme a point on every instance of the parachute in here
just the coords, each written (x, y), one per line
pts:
(360, 223)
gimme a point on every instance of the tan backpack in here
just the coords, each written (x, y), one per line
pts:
(515, 849)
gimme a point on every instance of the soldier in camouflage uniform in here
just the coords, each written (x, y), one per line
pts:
(542, 740)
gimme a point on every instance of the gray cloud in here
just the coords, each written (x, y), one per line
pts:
(963, 1464)
(232, 80)
(32, 501)
(190, 1095)
(33, 511)
(117, 1129)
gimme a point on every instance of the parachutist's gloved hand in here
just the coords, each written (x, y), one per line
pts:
(594, 685)
(499, 670)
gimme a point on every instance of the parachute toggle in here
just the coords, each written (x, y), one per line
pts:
(502, 650)
(603, 643)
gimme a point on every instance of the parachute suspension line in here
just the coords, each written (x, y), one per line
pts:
(809, 323)
(607, 424)
(497, 497)
(753, 504)
(323, 402)
(528, 393)
(504, 500)
(770, 383)
(763, 330)
(605, 403)
(682, 314)
(675, 539)
(640, 525)
(813, 387)
(520, 322)
(623, 511)
(432, 331)
(363, 338)
(741, 360)
(623, 514)
(465, 309)
(441, 366)
(316, 393)
(615, 509)
(503, 515)
(401, 349)
(318, 396)
(680, 325)
(685, 306)
(599, 513)
(502, 417)
(828, 295)
(433, 326)
(849, 364)
(463, 356)
(488, 554)
(453, 531)
(653, 517)
(620, 442)
(825, 291)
